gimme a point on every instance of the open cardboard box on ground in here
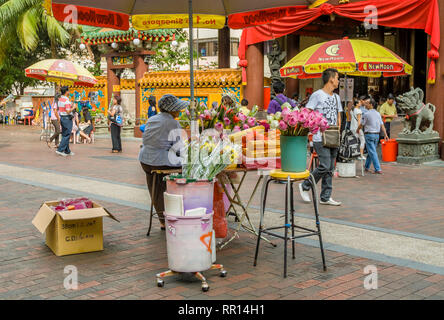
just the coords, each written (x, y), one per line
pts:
(72, 231)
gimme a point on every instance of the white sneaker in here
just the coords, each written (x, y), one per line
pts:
(362, 158)
(331, 202)
(71, 154)
(61, 153)
(304, 194)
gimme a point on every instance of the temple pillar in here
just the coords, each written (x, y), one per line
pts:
(377, 36)
(434, 91)
(140, 68)
(112, 79)
(224, 48)
(254, 90)
(293, 48)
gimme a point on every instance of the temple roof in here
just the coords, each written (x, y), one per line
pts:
(202, 78)
(92, 35)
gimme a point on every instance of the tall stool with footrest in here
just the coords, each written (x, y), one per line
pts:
(288, 178)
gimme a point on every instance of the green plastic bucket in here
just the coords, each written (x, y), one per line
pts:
(294, 153)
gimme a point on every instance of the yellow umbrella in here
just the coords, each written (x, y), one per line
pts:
(62, 72)
(349, 56)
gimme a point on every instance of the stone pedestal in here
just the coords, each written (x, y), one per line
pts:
(417, 148)
(127, 131)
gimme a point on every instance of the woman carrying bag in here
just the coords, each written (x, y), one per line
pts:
(115, 115)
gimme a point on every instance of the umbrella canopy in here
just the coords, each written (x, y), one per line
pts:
(215, 7)
(61, 71)
(351, 57)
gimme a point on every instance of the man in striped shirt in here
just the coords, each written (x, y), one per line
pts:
(65, 108)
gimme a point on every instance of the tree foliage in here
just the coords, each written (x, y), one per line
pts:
(24, 21)
(12, 71)
(170, 58)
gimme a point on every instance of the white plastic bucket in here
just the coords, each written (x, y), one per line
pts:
(196, 194)
(346, 169)
(189, 242)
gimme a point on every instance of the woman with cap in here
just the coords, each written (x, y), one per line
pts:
(159, 151)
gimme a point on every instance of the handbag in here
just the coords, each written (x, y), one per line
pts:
(331, 138)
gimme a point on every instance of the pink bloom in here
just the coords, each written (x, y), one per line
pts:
(227, 121)
(265, 124)
(245, 127)
(219, 126)
(236, 129)
(251, 121)
(285, 114)
(242, 117)
(292, 121)
(187, 112)
(283, 126)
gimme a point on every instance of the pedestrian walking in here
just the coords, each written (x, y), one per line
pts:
(388, 112)
(154, 154)
(356, 117)
(275, 105)
(372, 125)
(329, 104)
(55, 120)
(75, 126)
(116, 117)
(65, 109)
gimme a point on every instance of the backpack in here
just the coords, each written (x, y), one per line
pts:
(350, 146)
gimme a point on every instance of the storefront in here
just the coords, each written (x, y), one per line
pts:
(420, 45)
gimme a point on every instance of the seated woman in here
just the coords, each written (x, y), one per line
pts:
(87, 128)
(157, 148)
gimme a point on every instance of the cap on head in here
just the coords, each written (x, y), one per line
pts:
(170, 103)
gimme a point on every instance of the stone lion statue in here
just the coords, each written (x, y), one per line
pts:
(419, 116)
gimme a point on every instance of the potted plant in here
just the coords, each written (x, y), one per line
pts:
(295, 125)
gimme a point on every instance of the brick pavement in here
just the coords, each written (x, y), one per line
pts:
(405, 198)
(126, 268)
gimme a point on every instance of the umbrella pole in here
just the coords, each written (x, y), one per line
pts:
(194, 128)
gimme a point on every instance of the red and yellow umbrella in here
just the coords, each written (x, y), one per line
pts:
(62, 72)
(351, 57)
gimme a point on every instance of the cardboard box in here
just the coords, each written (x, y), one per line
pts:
(74, 231)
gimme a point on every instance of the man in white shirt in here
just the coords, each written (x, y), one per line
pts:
(329, 104)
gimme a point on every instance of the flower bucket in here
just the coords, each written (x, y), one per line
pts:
(196, 193)
(294, 153)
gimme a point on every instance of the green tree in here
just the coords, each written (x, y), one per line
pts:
(24, 21)
(13, 79)
(170, 58)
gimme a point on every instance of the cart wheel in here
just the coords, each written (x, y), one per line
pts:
(205, 288)
(160, 283)
(223, 273)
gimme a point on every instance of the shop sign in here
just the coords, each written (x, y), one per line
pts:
(176, 21)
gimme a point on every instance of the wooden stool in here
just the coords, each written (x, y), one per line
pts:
(289, 178)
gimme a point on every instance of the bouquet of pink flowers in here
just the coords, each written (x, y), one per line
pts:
(298, 122)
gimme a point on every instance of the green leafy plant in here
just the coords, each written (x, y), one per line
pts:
(169, 57)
